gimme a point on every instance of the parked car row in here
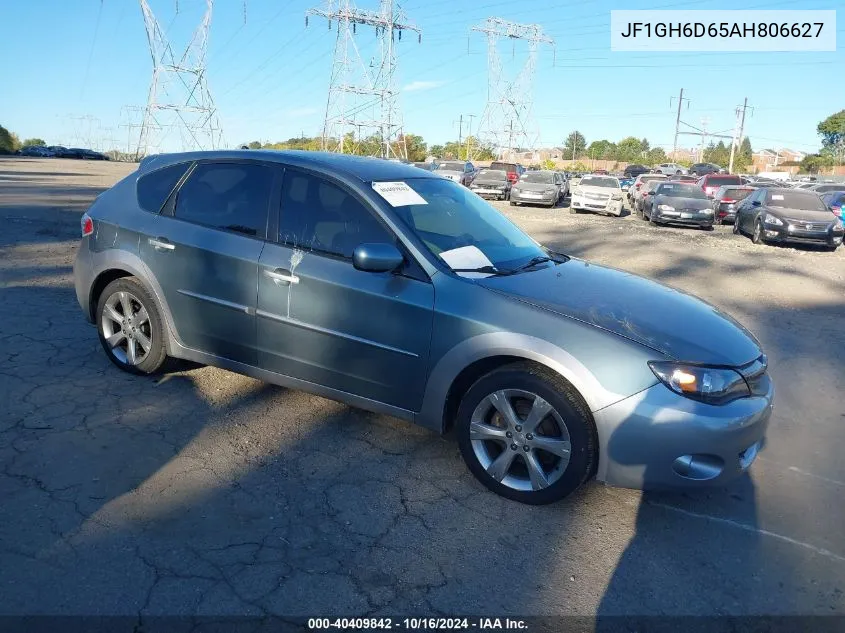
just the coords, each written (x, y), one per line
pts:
(57, 151)
(767, 211)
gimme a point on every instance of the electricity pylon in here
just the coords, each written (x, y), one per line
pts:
(363, 98)
(179, 101)
(508, 120)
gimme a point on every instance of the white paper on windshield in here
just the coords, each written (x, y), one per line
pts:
(466, 257)
(398, 194)
(777, 196)
(668, 186)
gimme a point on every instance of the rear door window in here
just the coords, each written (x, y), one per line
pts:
(317, 215)
(229, 196)
(155, 187)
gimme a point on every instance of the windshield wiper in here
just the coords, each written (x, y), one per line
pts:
(489, 270)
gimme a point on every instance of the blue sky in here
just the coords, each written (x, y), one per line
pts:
(67, 60)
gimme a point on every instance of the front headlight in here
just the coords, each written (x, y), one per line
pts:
(838, 224)
(713, 385)
(616, 196)
(770, 219)
(665, 207)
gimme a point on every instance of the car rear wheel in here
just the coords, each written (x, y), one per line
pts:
(130, 327)
(757, 235)
(526, 434)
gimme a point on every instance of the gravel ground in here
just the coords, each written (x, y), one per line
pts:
(205, 492)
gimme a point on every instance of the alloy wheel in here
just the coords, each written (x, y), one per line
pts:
(126, 328)
(520, 439)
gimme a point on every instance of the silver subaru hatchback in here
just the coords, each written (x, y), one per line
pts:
(397, 291)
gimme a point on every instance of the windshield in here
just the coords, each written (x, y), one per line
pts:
(717, 181)
(504, 166)
(599, 181)
(454, 217)
(677, 190)
(736, 194)
(537, 177)
(795, 200)
(492, 174)
(450, 167)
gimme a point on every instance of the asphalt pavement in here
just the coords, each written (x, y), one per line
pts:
(202, 492)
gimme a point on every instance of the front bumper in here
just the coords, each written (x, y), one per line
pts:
(614, 207)
(526, 198)
(677, 217)
(490, 192)
(659, 439)
(793, 234)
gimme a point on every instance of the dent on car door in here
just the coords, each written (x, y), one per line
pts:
(324, 321)
(204, 254)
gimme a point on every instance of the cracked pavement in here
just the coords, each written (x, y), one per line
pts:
(202, 492)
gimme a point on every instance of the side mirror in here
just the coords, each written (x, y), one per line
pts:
(755, 203)
(377, 258)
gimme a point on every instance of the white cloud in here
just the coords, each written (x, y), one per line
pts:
(422, 85)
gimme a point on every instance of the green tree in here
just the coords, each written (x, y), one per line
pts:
(832, 131)
(574, 145)
(655, 156)
(8, 141)
(814, 163)
(415, 145)
(254, 145)
(548, 164)
(578, 166)
(437, 151)
(34, 142)
(630, 150)
(602, 150)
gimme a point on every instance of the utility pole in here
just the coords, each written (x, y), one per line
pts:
(740, 111)
(510, 140)
(460, 129)
(677, 124)
(469, 136)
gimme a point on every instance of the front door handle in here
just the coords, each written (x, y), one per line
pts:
(159, 243)
(282, 275)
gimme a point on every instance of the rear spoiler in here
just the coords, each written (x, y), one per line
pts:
(148, 162)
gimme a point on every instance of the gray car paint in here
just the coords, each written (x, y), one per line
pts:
(444, 324)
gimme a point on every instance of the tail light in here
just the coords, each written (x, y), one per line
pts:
(87, 225)
(727, 201)
(512, 176)
(837, 211)
(638, 185)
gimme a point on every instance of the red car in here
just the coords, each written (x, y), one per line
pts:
(711, 182)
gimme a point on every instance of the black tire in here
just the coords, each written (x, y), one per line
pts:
(706, 227)
(153, 329)
(652, 219)
(736, 228)
(572, 209)
(757, 235)
(678, 172)
(565, 400)
(513, 204)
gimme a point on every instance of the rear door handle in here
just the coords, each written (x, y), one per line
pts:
(159, 243)
(280, 275)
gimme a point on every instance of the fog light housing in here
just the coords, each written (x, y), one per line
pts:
(699, 467)
(771, 233)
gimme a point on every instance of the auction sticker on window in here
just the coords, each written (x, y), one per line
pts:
(398, 194)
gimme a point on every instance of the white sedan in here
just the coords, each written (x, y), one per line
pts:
(599, 193)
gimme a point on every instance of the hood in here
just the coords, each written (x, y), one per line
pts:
(534, 186)
(608, 191)
(671, 322)
(802, 214)
(497, 182)
(685, 203)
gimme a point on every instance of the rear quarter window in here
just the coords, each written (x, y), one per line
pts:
(155, 187)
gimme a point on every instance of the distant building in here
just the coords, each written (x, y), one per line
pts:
(770, 159)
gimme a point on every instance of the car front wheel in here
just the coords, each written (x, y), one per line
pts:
(130, 327)
(526, 434)
(757, 235)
